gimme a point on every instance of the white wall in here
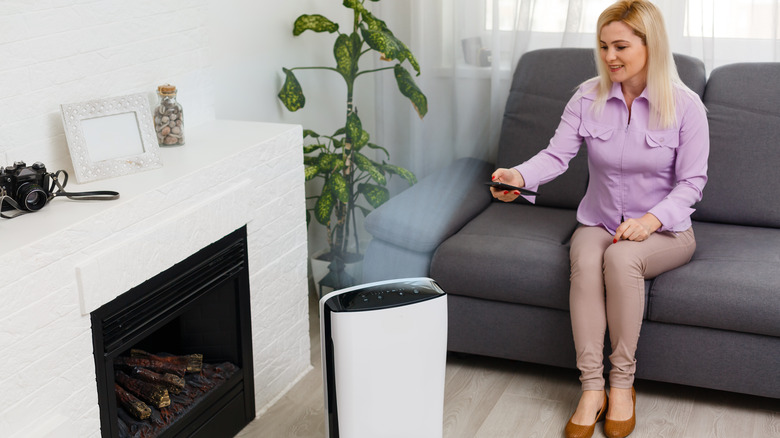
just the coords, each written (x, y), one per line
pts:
(64, 51)
(225, 57)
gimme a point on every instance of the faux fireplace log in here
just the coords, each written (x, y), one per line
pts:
(193, 363)
(155, 365)
(155, 395)
(173, 383)
(131, 404)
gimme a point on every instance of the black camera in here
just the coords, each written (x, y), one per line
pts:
(28, 187)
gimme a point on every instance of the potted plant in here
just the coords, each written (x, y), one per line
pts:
(352, 180)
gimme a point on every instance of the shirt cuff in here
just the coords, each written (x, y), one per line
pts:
(531, 181)
(670, 214)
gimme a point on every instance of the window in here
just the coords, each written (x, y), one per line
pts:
(703, 18)
(545, 16)
(732, 19)
(717, 31)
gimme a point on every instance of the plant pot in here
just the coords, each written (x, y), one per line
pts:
(320, 263)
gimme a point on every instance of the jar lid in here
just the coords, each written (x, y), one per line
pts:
(167, 89)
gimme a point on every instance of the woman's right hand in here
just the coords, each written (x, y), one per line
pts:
(507, 176)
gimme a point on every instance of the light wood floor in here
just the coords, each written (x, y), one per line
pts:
(493, 398)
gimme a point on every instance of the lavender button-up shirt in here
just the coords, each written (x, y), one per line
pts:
(633, 169)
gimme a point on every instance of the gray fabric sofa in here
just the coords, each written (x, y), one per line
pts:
(713, 323)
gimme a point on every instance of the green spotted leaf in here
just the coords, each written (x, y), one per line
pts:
(312, 147)
(376, 147)
(354, 4)
(383, 42)
(354, 128)
(409, 57)
(291, 93)
(373, 22)
(315, 22)
(346, 51)
(407, 175)
(310, 172)
(338, 185)
(381, 39)
(329, 163)
(374, 194)
(342, 51)
(408, 88)
(310, 133)
(364, 137)
(366, 165)
(324, 207)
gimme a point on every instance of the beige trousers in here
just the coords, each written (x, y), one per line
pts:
(620, 269)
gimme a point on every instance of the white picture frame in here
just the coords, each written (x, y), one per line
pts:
(110, 137)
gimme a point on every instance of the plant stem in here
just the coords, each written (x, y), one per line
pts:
(375, 70)
(355, 227)
(314, 68)
(344, 211)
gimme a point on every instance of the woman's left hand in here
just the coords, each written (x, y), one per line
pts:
(637, 230)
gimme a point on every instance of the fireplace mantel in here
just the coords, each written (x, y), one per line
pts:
(64, 261)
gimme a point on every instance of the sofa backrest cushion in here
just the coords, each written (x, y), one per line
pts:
(692, 73)
(543, 83)
(744, 118)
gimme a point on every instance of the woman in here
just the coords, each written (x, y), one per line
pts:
(648, 142)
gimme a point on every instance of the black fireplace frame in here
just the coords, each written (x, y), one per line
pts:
(116, 327)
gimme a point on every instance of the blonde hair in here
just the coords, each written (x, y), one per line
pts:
(648, 24)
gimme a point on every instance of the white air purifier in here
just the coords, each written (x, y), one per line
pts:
(384, 353)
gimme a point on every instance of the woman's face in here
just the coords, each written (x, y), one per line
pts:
(624, 54)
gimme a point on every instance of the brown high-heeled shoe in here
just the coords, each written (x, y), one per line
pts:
(621, 429)
(585, 431)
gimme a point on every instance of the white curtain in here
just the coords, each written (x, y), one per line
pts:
(468, 48)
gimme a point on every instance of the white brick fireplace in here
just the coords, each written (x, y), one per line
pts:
(64, 261)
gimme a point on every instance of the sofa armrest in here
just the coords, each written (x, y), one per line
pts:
(424, 215)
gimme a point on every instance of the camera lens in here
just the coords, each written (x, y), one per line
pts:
(32, 197)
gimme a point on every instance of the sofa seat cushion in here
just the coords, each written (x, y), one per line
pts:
(512, 253)
(732, 282)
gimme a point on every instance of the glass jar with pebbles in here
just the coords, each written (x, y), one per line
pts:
(168, 117)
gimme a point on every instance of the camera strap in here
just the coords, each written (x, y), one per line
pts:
(97, 195)
(5, 199)
(57, 189)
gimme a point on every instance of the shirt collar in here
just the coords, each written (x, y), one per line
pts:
(617, 93)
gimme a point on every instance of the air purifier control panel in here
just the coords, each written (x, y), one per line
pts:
(384, 296)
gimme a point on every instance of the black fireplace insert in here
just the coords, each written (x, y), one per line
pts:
(199, 308)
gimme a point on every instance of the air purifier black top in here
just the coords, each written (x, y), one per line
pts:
(384, 295)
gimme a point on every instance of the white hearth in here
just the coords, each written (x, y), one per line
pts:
(66, 260)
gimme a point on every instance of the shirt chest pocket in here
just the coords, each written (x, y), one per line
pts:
(662, 146)
(599, 139)
(595, 131)
(668, 138)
